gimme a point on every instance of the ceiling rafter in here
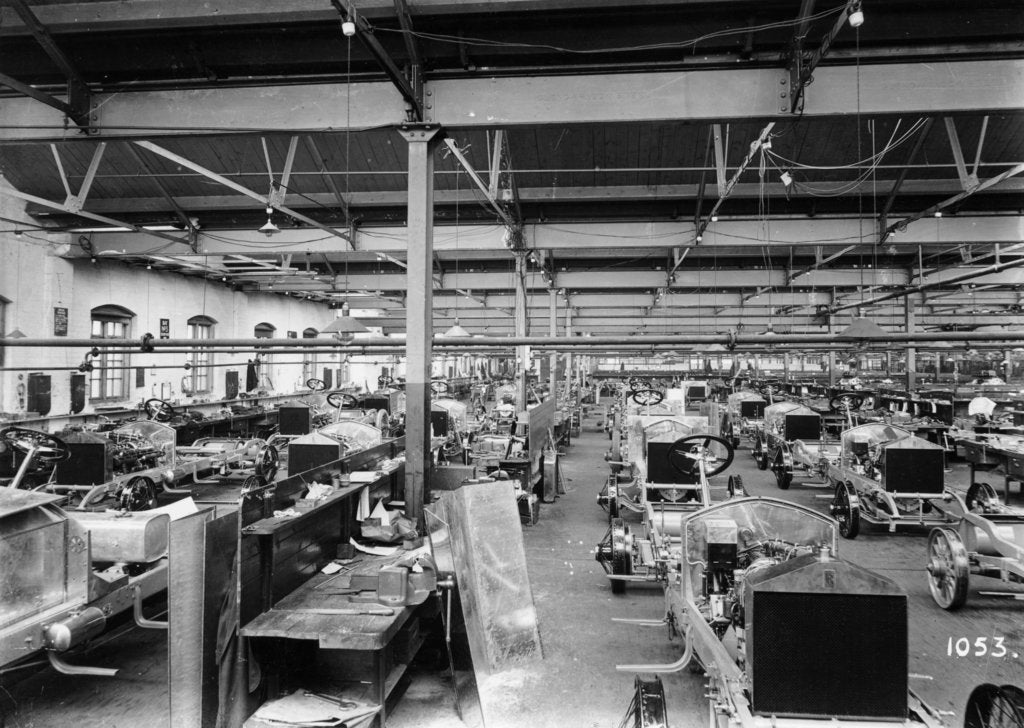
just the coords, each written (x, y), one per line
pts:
(79, 103)
(231, 184)
(365, 32)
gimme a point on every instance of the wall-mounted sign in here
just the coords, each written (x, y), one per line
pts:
(165, 328)
(60, 321)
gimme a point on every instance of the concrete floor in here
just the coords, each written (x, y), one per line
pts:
(576, 685)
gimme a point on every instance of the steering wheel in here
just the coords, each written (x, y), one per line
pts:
(49, 448)
(637, 383)
(846, 401)
(685, 453)
(342, 400)
(647, 397)
(439, 387)
(383, 381)
(159, 410)
(317, 385)
(769, 388)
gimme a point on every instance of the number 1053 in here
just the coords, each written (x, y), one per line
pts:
(979, 647)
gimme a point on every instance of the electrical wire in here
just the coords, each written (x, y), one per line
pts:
(690, 43)
(892, 144)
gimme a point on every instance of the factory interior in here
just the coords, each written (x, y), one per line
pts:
(500, 363)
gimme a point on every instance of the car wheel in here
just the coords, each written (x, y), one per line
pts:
(846, 511)
(948, 568)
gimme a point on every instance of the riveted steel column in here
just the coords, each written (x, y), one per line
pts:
(831, 355)
(568, 353)
(553, 331)
(910, 325)
(422, 139)
(520, 323)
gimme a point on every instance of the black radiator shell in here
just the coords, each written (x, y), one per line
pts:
(826, 640)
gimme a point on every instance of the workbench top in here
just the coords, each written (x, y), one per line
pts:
(297, 616)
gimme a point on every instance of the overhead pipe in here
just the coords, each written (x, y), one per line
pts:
(612, 343)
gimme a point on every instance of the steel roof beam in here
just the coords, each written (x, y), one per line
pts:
(79, 96)
(63, 207)
(321, 165)
(751, 93)
(178, 211)
(571, 242)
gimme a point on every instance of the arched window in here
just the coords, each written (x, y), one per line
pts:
(264, 331)
(109, 377)
(201, 327)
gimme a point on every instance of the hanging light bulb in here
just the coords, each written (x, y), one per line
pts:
(269, 228)
(856, 16)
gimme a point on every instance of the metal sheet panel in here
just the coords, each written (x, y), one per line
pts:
(494, 587)
(202, 549)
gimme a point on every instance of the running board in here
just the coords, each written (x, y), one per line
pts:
(641, 622)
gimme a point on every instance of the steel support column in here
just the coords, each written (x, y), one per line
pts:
(520, 324)
(568, 355)
(553, 330)
(910, 327)
(831, 354)
(422, 139)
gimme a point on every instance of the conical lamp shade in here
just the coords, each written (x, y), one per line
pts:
(861, 328)
(269, 228)
(16, 334)
(345, 325)
(456, 330)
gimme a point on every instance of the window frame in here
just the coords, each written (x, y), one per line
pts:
(110, 381)
(201, 359)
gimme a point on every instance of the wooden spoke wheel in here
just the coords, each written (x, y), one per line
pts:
(267, 463)
(992, 706)
(948, 568)
(138, 494)
(845, 509)
(622, 561)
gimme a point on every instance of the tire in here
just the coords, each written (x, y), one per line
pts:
(735, 487)
(621, 563)
(762, 458)
(991, 706)
(783, 477)
(978, 494)
(138, 494)
(948, 568)
(846, 511)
